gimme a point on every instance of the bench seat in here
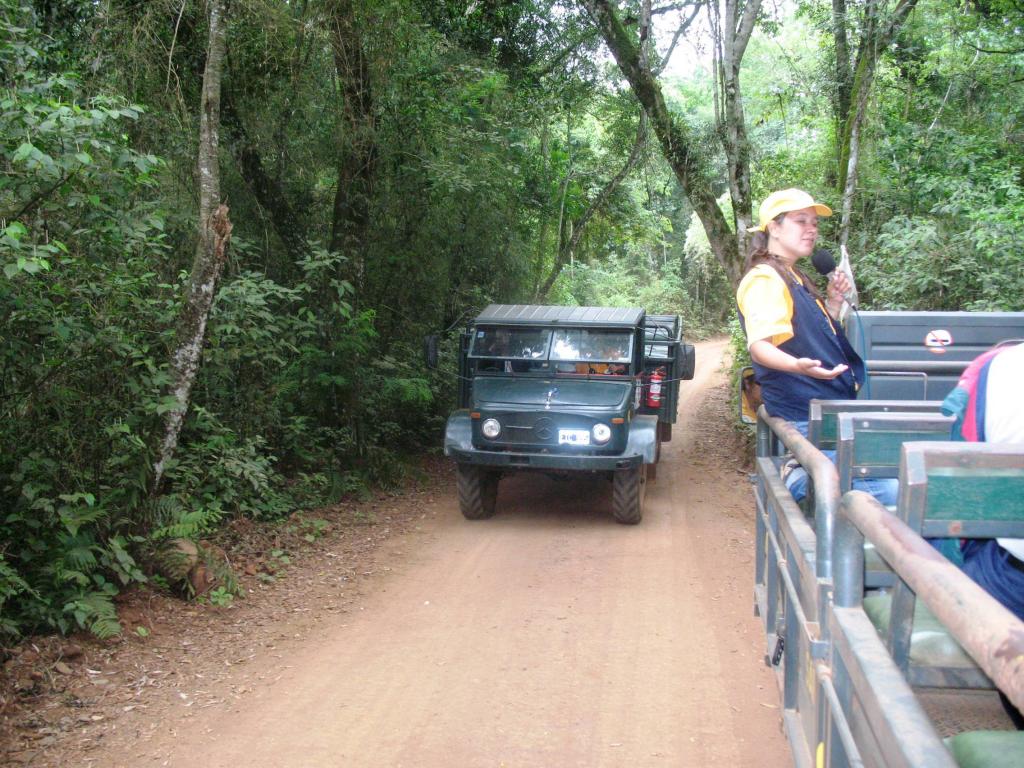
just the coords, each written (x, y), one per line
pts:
(987, 749)
(931, 644)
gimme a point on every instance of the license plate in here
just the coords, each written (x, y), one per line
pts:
(574, 437)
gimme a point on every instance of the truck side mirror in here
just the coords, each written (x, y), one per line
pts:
(430, 350)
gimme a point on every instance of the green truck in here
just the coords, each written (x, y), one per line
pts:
(565, 389)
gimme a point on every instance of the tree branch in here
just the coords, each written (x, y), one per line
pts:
(746, 26)
(676, 37)
(174, 41)
(675, 7)
(566, 52)
(43, 194)
(998, 52)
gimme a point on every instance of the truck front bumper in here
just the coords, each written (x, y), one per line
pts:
(641, 448)
(557, 461)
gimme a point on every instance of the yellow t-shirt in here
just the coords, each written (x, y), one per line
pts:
(767, 306)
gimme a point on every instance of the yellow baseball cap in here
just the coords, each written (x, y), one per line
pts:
(784, 201)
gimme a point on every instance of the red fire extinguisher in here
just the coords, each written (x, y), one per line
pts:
(654, 388)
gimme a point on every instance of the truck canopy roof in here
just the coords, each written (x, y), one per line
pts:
(534, 314)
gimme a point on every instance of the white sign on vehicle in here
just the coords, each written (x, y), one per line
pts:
(936, 341)
(574, 437)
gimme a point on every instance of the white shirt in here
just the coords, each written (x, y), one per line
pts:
(1004, 413)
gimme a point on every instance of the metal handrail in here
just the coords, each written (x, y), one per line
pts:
(992, 635)
(823, 474)
(938, 367)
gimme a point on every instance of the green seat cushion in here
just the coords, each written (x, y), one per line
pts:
(930, 644)
(987, 749)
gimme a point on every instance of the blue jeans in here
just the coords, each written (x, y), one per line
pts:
(885, 490)
(989, 564)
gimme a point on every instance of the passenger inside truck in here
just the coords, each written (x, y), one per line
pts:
(582, 351)
(512, 343)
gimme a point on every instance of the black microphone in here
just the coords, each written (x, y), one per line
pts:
(823, 261)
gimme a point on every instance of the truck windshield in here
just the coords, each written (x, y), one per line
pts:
(579, 345)
(517, 343)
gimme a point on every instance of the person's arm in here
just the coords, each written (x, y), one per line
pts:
(767, 354)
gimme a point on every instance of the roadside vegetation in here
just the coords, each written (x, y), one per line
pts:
(390, 167)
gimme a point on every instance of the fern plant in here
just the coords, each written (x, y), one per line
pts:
(94, 611)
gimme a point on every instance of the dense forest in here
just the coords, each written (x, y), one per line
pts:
(226, 227)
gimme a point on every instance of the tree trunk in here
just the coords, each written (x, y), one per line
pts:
(545, 220)
(734, 35)
(679, 146)
(266, 189)
(357, 151)
(851, 150)
(841, 100)
(875, 38)
(211, 251)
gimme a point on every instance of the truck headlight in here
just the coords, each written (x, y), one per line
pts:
(602, 433)
(491, 428)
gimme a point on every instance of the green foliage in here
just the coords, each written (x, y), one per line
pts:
(936, 215)
(79, 310)
(93, 609)
(454, 174)
(11, 585)
(739, 355)
(222, 597)
(961, 245)
(171, 517)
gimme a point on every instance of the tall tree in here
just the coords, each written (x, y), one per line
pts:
(357, 150)
(265, 187)
(878, 27)
(211, 250)
(732, 24)
(677, 139)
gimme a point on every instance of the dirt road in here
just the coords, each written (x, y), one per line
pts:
(546, 636)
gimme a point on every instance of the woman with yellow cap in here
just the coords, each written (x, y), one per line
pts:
(797, 346)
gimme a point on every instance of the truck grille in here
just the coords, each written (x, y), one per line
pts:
(536, 429)
(527, 428)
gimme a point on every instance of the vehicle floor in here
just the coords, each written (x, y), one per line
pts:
(548, 635)
(956, 711)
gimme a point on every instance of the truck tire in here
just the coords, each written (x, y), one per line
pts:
(628, 489)
(478, 491)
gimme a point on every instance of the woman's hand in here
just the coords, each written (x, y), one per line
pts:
(838, 287)
(770, 356)
(813, 368)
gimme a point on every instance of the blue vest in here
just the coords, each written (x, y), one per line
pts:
(788, 395)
